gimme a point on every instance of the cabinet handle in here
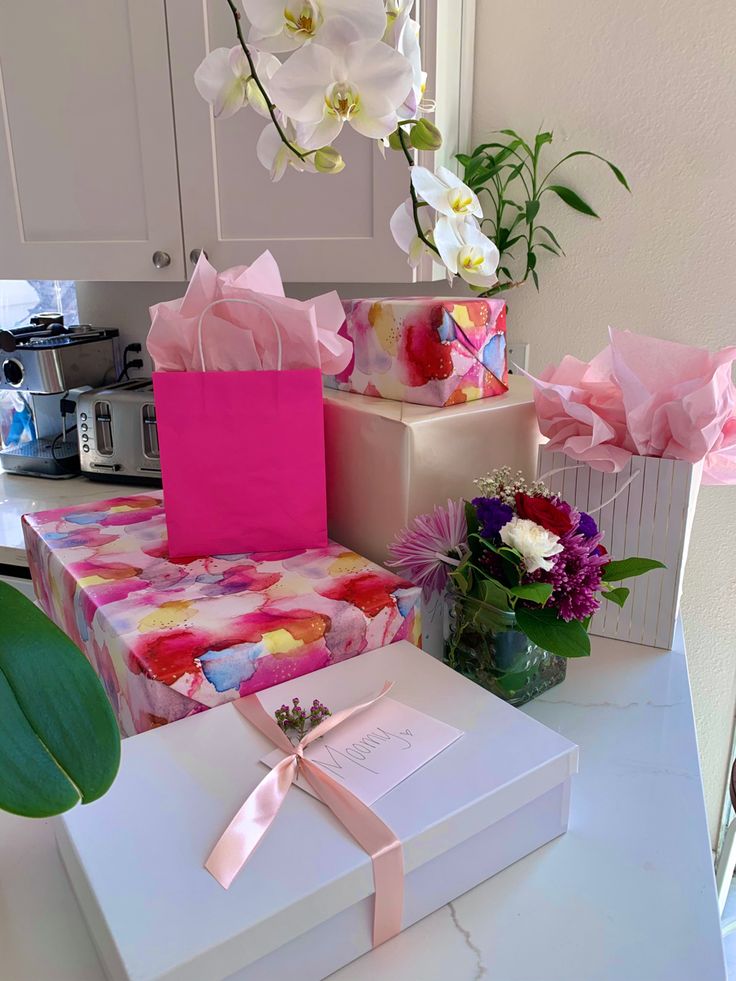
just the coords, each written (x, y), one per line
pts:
(161, 259)
(195, 254)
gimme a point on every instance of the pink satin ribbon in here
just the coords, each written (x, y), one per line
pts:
(246, 830)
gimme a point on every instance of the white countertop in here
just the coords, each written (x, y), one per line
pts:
(627, 894)
(20, 495)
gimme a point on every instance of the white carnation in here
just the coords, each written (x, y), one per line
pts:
(536, 545)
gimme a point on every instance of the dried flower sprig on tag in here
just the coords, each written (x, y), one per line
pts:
(295, 720)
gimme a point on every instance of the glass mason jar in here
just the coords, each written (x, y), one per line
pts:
(487, 646)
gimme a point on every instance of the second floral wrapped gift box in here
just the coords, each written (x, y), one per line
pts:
(427, 350)
(170, 638)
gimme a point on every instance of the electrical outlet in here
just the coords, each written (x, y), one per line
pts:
(518, 354)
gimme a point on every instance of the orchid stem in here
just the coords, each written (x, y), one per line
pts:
(414, 200)
(301, 154)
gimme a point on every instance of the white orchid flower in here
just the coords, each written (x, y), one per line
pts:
(397, 14)
(284, 25)
(445, 192)
(275, 156)
(408, 46)
(404, 231)
(466, 251)
(342, 79)
(224, 80)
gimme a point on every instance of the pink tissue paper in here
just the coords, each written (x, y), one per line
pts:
(642, 396)
(240, 336)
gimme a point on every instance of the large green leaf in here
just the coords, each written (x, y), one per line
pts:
(572, 199)
(534, 592)
(59, 741)
(617, 596)
(494, 593)
(543, 626)
(628, 568)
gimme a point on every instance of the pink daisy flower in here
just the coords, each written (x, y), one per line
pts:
(430, 546)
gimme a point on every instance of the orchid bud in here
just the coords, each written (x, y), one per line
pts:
(425, 135)
(328, 161)
(394, 141)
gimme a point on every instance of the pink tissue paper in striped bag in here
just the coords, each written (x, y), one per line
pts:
(642, 396)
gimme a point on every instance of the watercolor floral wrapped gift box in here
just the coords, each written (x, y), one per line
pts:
(172, 637)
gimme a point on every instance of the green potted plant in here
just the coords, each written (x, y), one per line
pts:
(59, 741)
(513, 182)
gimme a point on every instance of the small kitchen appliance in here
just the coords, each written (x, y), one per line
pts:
(43, 368)
(118, 438)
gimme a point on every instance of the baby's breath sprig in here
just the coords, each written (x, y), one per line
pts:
(501, 483)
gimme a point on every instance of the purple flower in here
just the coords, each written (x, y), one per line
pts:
(587, 525)
(432, 545)
(575, 576)
(493, 514)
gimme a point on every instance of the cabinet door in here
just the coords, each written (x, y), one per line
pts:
(88, 178)
(320, 228)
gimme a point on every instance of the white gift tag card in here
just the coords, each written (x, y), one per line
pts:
(372, 752)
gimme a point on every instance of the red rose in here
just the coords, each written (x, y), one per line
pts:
(542, 511)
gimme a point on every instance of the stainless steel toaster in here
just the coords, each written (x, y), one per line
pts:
(118, 439)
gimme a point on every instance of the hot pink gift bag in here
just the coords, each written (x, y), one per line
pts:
(242, 457)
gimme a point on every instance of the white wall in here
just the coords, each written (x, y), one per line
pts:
(649, 84)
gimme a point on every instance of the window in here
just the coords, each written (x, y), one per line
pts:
(21, 299)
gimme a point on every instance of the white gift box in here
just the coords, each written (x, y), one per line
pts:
(389, 461)
(649, 507)
(303, 904)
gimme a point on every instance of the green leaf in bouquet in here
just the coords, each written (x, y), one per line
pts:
(493, 593)
(544, 628)
(59, 741)
(471, 519)
(617, 596)
(615, 571)
(533, 592)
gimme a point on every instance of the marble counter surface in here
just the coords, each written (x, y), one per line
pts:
(19, 495)
(627, 894)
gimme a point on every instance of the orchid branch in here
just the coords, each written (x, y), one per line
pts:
(301, 154)
(415, 204)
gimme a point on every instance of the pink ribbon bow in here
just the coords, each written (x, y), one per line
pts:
(250, 824)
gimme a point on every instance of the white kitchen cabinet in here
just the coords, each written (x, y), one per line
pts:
(88, 173)
(108, 155)
(320, 227)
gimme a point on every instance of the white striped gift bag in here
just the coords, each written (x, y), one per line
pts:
(648, 510)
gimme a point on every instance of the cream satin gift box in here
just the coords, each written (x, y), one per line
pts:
(389, 461)
(302, 906)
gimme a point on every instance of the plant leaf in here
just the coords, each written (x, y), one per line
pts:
(547, 231)
(535, 277)
(535, 592)
(532, 209)
(618, 595)
(628, 568)
(531, 260)
(549, 248)
(542, 625)
(59, 741)
(571, 199)
(616, 171)
(539, 141)
(494, 593)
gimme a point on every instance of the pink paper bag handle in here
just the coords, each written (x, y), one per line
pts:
(252, 303)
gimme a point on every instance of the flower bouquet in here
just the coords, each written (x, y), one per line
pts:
(525, 573)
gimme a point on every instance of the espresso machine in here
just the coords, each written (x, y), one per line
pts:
(44, 367)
